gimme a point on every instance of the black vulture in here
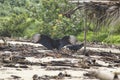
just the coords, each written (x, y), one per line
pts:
(64, 41)
(75, 47)
(36, 38)
(50, 43)
(72, 39)
(56, 43)
(44, 40)
(67, 40)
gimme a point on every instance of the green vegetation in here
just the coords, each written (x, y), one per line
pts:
(19, 18)
(113, 39)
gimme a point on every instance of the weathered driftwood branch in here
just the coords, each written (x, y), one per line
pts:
(19, 43)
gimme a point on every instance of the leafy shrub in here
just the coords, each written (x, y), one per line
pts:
(38, 16)
(89, 36)
(15, 26)
(100, 37)
(27, 17)
(113, 39)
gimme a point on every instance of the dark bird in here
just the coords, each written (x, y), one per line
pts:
(51, 44)
(56, 43)
(36, 38)
(75, 47)
(44, 40)
(67, 40)
(64, 41)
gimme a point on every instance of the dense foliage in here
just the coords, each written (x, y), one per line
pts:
(27, 17)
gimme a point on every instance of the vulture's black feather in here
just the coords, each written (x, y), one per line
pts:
(75, 47)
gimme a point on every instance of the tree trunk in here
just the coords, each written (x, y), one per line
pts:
(85, 31)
